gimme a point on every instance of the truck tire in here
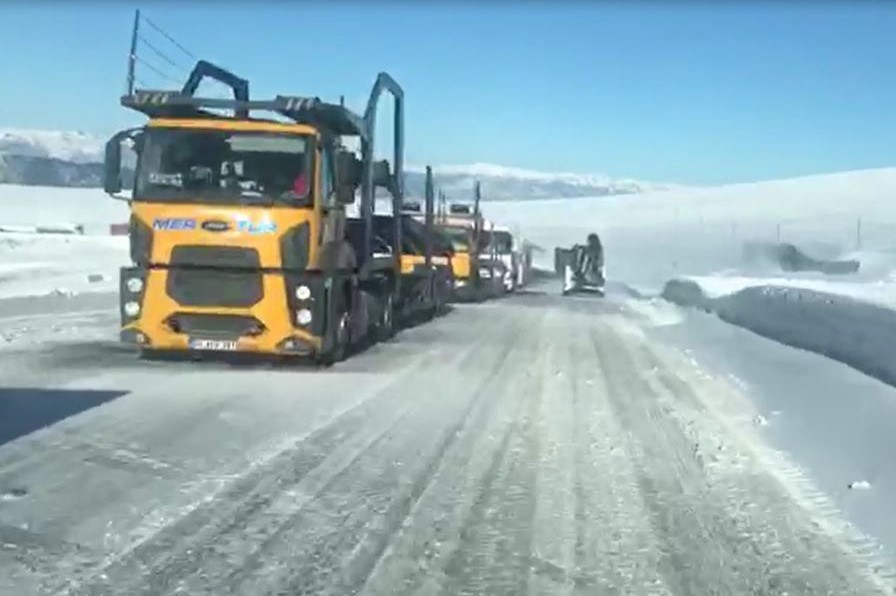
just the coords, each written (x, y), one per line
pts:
(439, 296)
(385, 329)
(338, 351)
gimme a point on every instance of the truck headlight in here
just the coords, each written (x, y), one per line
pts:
(131, 309)
(135, 285)
(303, 316)
(303, 292)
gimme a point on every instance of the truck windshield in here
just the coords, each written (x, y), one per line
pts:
(220, 166)
(501, 241)
(459, 238)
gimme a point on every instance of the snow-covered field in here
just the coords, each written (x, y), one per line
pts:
(35, 264)
(41, 205)
(651, 238)
(38, 264)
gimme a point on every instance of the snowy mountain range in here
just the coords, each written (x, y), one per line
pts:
(50, 158)
(63, 158)
(501, 183)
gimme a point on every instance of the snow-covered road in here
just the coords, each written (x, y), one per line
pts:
(534, 445)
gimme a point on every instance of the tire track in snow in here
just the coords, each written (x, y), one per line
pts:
(227, 541)
(422, 557)
(492, 555)
(220, 502)
(543, 447)
(719, 532)
(617, 552)
(352, 523)
(730, 421)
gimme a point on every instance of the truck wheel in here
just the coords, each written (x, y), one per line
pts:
(341, 337)
(386, 327)
(439, 298)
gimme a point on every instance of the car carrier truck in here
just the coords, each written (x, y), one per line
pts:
(239, 237)
(461, 225)
(427, 278)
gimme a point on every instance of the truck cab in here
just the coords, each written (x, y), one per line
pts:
(238, 229)
(460, 230)
(502, 245)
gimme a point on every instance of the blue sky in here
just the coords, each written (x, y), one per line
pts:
(677, 91)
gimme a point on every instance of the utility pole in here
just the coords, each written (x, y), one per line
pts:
(430, 199)
(477, 194)
(132, 57)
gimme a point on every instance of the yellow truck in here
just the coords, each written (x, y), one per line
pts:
(474, 266)
(239, 235)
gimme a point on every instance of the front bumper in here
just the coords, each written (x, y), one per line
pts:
(272, 325)
(464, 290)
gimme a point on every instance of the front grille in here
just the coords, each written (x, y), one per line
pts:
(226, 276)
(214, 326)
(219, 257)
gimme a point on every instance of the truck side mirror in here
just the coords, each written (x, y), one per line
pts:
(381, 175)
(112, 171)
(112, 183)
(348, 176)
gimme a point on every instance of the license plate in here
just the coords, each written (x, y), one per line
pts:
(213, 344)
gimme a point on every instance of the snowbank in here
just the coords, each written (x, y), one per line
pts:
(881, 292)
(53, 206)
(57, 241)
(35, 265)
(851, 331)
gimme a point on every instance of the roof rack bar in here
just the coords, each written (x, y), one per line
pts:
(205, 69)
(302, 110)
(162, 98)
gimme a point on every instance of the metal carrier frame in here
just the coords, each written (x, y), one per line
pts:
(334, 118)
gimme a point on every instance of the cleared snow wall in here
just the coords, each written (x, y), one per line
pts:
(850, 331)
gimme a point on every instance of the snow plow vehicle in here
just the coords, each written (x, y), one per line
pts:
(582, 270)
(239, 236)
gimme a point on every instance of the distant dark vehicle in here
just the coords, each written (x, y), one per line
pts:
(792, 259)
